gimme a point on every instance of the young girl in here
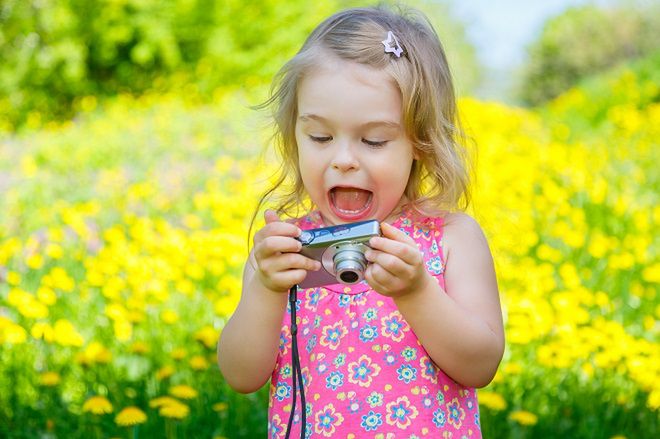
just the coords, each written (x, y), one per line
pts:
(368, 129)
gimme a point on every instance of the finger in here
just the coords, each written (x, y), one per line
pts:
(271, 245)
(376, 279)
(277, 228)
(388, 262)
(270, 216)
(389, 231)
(291, 277)
(289, 261)
(408, 253)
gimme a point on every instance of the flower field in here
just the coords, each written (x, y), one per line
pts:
(123, 234)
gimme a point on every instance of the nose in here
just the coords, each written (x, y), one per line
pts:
(344, 158)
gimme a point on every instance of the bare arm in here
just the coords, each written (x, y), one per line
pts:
(461, 329)
(247, 350)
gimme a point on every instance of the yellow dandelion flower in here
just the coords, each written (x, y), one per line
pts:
(130, 416)
(42, 330)
(164, 372)
(35, 261)
(10, 332)
(185, 287)
(207, 336)
(653, 401)
(59, 279)
(178, 354)
(523, 417)
(492, 400)
(54, 251)
(13, 278)
(161, 401)
(220, 406)
(175, 410)
(115, 311)
(139, 347)
(33, 309)
(98, 405)
(169, 316)
(192, 221)
(123, 330)
(183, 391)
(95, 352)
(651, 273)
(50, 379)
(136, 316)
(66, 334)
(199, 362)
(513, 368)
(46, 295)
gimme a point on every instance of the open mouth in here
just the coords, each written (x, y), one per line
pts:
(349, 202)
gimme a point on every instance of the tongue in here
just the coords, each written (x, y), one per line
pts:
(350, 199)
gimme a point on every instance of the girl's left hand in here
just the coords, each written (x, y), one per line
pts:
(396, 264)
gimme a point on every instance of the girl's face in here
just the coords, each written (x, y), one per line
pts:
(354, 155)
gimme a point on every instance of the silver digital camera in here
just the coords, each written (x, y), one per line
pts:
(340, 249)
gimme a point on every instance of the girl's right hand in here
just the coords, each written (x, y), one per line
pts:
(279, 265)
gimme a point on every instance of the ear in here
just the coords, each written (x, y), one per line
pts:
(416, 153)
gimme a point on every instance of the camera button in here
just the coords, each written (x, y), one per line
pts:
(339, 231)
(306, 237)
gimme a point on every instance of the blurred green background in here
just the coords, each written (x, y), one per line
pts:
(130, 163)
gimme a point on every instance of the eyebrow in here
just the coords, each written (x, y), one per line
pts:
(309, 116)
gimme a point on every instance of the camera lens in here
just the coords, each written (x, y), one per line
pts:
(349, 277)
(349, 263)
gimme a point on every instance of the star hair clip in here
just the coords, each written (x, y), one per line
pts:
(392, 45)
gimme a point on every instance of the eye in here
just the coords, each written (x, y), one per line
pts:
(375, 143)
(320, 139)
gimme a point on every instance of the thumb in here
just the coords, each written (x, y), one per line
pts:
(271, 216)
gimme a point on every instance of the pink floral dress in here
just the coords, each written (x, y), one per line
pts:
(366, 375)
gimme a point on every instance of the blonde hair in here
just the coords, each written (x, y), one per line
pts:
(439, 178)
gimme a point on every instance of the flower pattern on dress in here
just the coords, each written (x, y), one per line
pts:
(434, 266)
(371, 421)
(365, 373)
(393, 326)
(282, 391)
(285, 341)
(401, 413)
(428, 369)
(409, 353)
(334, 380)
(332, 335)
(275, 427)
(406, 373)
(362, 371)
(439, 418)
(456, 413)
(326, 421)
(368, 333)
(370, 314)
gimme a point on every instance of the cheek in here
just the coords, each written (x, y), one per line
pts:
(310, 174)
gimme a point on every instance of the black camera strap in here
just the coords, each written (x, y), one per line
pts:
(296, 372)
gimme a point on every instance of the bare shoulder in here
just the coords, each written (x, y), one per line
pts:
(463, 233)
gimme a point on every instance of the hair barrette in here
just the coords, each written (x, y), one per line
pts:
(392, 45)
